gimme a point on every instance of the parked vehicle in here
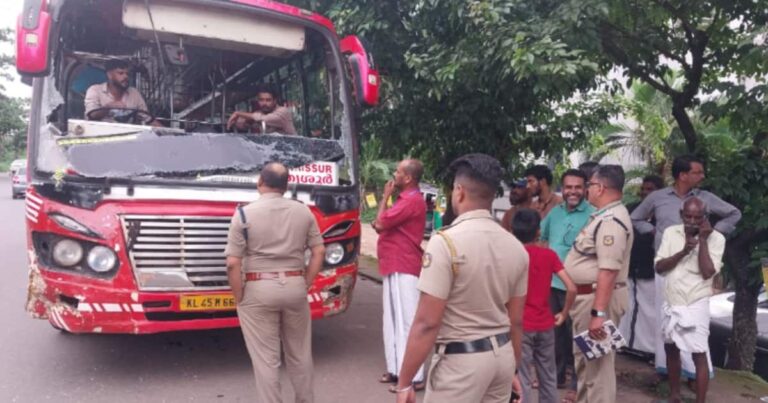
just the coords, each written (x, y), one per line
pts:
(721, 329)
(430, 194)
(19, 183)
(16, 164)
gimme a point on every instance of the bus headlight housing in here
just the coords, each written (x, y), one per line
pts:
(67, 252)
(101, 259)
(334, 253)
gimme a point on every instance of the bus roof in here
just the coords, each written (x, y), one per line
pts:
(287, 9)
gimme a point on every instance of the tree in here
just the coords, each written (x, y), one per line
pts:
(6, 61)
(444, 95)
(717, 44)
(12, 110)
(709, 40)
(739, 172)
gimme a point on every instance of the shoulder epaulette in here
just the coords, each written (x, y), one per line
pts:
(242, 219)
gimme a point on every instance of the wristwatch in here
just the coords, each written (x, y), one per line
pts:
(598, 314)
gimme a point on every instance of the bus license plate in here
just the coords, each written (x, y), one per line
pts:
(215, 302)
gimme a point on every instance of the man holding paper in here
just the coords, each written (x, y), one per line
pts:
(599, 265)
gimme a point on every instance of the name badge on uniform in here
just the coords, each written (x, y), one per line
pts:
(608, 240)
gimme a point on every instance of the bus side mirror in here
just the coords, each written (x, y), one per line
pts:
(32, 39)
(364, 74)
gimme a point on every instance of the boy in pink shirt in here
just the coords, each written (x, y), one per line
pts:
(538, 322)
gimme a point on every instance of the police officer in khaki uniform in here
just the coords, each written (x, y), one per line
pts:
(266, 244)
(473, 283)
(599, 264)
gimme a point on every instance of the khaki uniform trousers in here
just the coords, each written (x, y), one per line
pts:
(472, 377)
(274, 311)
(597, 378)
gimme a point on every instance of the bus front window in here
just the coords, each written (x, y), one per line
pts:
(201, 110)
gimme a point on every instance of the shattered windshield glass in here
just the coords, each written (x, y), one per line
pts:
(155, 153)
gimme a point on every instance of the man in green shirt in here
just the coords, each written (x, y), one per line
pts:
(559, 230)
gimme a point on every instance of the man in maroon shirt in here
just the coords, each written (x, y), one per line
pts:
(401, 230)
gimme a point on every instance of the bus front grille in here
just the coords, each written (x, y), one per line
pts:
(177, 252)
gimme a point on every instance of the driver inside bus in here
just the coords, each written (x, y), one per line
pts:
(116, 99)
(274, 117)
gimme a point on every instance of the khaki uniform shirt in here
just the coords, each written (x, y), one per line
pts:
(492, 268)
(684, 284)
(98, 96)
(279, 230)
(609, 248)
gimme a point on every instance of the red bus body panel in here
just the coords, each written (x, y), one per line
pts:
(83, 304)
(32, 46)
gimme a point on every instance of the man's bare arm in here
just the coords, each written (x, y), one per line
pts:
(515, 311)
(315, 263)
(235, 276)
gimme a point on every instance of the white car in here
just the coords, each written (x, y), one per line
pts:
(721, 328)
(16, 164)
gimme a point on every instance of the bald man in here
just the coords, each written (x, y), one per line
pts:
(689, 256)
(272, 303)
(400, 229)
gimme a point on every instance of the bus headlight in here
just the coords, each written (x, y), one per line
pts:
(67, 253)
(101, 259)
(334, 253)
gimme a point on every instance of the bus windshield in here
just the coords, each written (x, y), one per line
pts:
(156, 97)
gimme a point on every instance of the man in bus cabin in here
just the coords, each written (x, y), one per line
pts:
(115, 99)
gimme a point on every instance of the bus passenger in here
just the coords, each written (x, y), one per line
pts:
(276, 119)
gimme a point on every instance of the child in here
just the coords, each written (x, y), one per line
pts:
(538, 322)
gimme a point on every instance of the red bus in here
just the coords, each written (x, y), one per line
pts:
(126, 221)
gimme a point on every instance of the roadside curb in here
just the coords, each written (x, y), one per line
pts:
(368, 267)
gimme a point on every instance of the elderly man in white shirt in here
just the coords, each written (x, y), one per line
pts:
(689, 256)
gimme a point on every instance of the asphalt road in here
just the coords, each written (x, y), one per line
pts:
(39, 363)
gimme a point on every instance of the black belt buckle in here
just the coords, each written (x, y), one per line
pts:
(475, 346)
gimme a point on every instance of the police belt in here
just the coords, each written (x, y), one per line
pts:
(475, 346)
(584, 289)
(271, 275)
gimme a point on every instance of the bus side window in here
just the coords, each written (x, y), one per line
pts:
(82, 78)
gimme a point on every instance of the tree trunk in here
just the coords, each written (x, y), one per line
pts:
(742, 345)
(685, 124)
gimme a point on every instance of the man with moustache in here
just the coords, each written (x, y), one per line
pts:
(107, 101)
(599, 264)
(400, 230)
(519, 198)
(664, 207)
(273, 117)
(539, 179)
(689, 257)
(559, 230)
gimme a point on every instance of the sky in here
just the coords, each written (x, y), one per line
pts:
(9, 10)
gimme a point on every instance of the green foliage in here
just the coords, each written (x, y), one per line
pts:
(709, 41)
(466, 75)
(375, 171)
(6, 61)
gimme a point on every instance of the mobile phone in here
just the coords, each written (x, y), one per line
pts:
(695, 231)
